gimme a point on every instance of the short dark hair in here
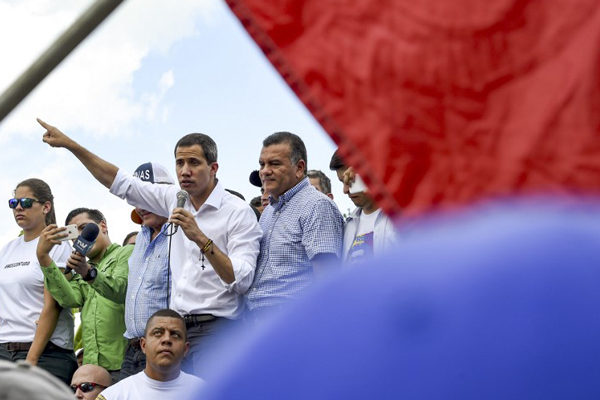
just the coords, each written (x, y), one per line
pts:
(336, 162)
(95, 215)
(256, 202)
(324, 181)
(209, 147)
(297, 148)
(129, 236)
(41, 190)
(166, 312)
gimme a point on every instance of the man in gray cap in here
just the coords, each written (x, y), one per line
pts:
(23, 381)
(149, 275)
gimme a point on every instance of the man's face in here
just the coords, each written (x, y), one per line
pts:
(81, 220)
(360, 199)
(277, 172)
(264, 198)
(89, 374)
(316, 182)
(194, 173)
(152, 221)
(165, 344)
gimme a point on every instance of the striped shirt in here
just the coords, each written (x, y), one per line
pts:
(301, 224)
(147, 284)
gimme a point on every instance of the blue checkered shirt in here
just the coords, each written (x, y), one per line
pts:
(301, 224)
(147, 284)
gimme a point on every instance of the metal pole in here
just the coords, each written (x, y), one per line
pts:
(75, 34)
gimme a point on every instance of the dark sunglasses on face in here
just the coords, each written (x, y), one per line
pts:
(25, 202)
(86, 386)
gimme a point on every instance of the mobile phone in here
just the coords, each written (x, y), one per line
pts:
(72, 232)
(358, 185)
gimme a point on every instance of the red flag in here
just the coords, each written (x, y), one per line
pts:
(442, 103)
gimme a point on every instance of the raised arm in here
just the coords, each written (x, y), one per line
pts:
(102, 170)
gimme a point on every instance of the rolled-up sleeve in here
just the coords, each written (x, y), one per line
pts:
(156, 198)
(243, 247)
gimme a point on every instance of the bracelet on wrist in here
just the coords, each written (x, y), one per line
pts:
(206, 246)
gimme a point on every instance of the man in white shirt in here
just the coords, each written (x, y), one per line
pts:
(165, 344)
(367, 230)
(214, 251)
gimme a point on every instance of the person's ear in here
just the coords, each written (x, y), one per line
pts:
(214, 167)
(300, 169)
(103, 227)
(46, 207)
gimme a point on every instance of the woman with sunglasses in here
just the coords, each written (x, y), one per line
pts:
(32, 325)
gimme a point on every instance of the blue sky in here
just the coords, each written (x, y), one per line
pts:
(153, 72)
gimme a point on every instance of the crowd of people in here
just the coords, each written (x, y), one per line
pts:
(203, 261)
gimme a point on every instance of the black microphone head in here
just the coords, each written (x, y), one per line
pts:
(86, 239)
(182, 197)
(90, 232)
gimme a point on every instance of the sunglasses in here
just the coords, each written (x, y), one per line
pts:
(26, 202)
(86, 387)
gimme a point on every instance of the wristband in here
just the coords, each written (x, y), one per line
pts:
(206, 246)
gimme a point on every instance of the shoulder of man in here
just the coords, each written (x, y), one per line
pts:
(117, 251)
(116, 391)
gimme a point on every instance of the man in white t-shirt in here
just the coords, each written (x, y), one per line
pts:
(165, 344)
(367, 231)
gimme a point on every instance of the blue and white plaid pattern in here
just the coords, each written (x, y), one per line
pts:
(301, 224)
(147, 284)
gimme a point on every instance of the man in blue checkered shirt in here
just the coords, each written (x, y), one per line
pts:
(302, 227)
(148, 282)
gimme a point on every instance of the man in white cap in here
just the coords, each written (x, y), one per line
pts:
(148, 282)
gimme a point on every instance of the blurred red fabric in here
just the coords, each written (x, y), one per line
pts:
(442, 103)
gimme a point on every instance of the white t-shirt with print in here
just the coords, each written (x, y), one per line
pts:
(22, 293)
(362, 246)
(141, 387)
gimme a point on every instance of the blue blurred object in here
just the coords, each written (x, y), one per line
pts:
(498, 303)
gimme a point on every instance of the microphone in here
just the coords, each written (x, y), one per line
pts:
(182, 197)
(85, 241)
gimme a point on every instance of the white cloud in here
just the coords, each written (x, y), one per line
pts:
(153, 100)
(94, 85)
(92, 92)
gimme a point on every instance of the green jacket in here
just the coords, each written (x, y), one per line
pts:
(103, 312)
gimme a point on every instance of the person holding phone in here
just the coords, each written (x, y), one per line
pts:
(32, 325)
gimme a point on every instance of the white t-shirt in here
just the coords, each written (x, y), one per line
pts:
(141, 387)
(22, 293)
(362, 245)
